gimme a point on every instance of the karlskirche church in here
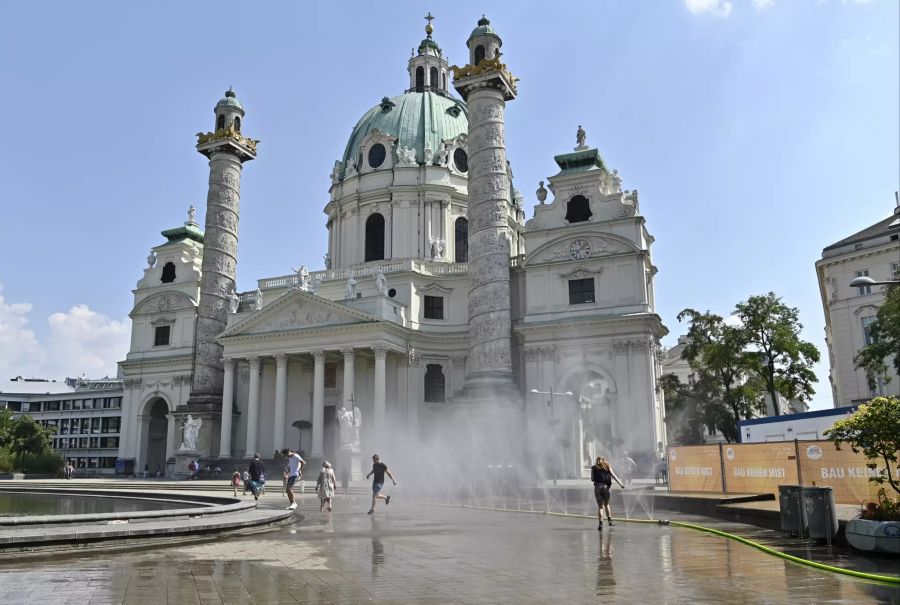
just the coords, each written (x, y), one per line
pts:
(437, 297)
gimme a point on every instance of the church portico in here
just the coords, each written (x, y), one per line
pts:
(283, 389)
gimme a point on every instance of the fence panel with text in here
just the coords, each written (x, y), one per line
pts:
(841, 470)
(695, 468)
(758, 468)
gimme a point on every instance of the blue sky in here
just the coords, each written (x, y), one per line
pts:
(756, 131)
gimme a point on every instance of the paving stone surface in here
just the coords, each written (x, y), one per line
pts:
(429, 555)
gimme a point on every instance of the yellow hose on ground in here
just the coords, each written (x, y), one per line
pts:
(849, 572)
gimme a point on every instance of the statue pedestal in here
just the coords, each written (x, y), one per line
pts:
(182, 459)
(349, 458)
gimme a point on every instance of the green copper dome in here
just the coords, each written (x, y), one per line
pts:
(484, 29)
(229, 100)
(417, 119)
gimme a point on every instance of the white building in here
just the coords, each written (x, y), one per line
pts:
(873, 252)
(86, 415)
(387, 325)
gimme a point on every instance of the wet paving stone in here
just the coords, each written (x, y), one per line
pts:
(428, 555)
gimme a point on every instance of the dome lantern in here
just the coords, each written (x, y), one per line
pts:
(427, 67)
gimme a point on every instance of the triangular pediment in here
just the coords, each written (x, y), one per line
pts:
(297, 310)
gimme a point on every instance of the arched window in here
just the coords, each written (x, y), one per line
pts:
(462, 240)
(168, 273)
(220, 122)
(578, 210)
(237, 123)
(433, 79)
(444, 81)
(420, 79)
(375, 237)
(479, 54)
(434, 383)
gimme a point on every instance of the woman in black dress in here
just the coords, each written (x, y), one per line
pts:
(602, 476)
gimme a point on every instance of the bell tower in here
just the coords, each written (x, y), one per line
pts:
(227, 149)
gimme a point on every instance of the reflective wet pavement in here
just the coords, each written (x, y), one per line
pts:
(427, 555)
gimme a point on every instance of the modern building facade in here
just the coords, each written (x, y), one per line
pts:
(436, 292)
(873, 252)
(85, 414)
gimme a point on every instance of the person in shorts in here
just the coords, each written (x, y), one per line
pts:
(379, 469)
(257, 476)
(292, 474)
(602, 476)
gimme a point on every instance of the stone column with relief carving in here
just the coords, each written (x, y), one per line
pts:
(227, 150)
(486, 88)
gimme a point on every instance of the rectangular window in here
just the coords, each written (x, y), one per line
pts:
(67, 404)
(52, 406)
(434, 307)
(866, 324)
(26, 406)
(863, 290)
(161, 336)
(581, 291)
(895, 270)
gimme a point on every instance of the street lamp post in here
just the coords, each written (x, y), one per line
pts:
(861, 282)
(552, 421)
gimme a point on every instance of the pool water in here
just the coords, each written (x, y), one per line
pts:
(19, 504)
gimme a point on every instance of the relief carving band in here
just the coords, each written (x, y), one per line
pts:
(488, 327)
(484, 298)
(488, 214)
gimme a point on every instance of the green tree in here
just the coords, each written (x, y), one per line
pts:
(716, 353)
(884, 334)
(28, 437)
(781, 359)
(683, 424)
(873, 429)
(6, 424)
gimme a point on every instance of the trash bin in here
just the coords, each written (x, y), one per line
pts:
(793, 513)
(821, 515)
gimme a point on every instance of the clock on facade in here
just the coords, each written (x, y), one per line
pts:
(580, 249)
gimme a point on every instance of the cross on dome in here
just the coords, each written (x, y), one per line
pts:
(428, 28)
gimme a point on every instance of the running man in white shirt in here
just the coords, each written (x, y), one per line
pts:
(292, 473)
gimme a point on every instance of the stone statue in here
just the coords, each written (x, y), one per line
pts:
(437, 249)
(345, 419)
(257, 300)
(302, 281)
(541, 193)
(151, 259)
(616, 182)
(429, 154)
(351, 287)
(357, 424)
(327, 259)
(336, 173)
(406, 156)
(190, 430)
(380, 282)
(518, 198)
(444, 155)
(234, 301)
(580, 138)
(192, 213)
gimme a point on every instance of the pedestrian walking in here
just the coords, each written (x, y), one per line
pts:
(257, 476)
(379, 469)
(158, 471)
(246, 477)
(662, 470)
(602, 477)
(325, 486)
(293, 474)
(236, 481)
(146, 471)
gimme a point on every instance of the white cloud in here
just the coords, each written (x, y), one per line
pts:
(762, 5)
(716, 8)
(79, 341)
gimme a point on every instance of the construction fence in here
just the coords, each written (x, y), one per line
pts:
(758, 468)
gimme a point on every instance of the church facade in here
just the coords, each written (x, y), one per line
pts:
(436, 291)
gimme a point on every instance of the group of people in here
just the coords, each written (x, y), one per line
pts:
(68, 470)
(147, 471)
(254, 480)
